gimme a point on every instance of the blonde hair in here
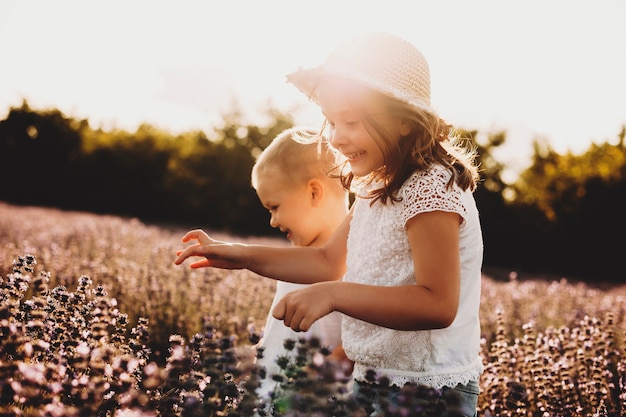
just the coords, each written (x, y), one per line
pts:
(431, 141)
(297, 159)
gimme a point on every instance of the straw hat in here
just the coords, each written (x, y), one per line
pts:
(381, 61)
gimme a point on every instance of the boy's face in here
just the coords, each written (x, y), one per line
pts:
(291, 209)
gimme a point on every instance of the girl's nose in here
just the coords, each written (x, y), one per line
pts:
(336, 138)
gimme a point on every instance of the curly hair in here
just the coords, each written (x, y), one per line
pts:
(430, 141)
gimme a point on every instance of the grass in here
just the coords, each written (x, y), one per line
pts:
(100, 322)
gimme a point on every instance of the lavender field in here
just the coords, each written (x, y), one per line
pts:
(98, 321)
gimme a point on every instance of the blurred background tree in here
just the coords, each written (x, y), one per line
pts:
(561, 216)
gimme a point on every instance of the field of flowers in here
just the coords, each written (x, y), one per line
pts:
(96, 320)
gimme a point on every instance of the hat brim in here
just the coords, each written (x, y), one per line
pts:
(307, 81)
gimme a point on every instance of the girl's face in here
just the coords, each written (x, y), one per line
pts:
(347, 127)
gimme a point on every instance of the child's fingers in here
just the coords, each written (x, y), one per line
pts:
(291, 316)
(189, 236)
(185, 253)
(279, 310)
(197, 234)
(182, 255)
(200, 264)
(304, 325)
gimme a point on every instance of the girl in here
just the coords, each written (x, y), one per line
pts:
(411, 243)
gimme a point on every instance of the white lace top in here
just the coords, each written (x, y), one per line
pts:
(379, 254)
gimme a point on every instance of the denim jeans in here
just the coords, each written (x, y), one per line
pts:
(460, 401)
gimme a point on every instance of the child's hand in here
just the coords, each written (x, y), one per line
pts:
(299, 309)
(216, 253)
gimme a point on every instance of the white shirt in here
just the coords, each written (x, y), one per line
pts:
(327, 330)
(379, 254)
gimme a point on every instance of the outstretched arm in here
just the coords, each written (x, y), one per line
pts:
(303, 265)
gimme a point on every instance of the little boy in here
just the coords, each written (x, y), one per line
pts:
(291, 181)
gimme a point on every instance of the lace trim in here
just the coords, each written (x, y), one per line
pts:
(430, 192)
(472, 372)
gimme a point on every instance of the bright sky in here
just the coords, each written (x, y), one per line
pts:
(536, 68)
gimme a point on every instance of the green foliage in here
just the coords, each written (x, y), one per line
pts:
(557, 184)
(189, 178)
(573, 202)
(38, 150)
(552, 219)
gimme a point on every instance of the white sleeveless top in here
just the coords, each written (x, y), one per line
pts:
(327, 330)
(379, 254)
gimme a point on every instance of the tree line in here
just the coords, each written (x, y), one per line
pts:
(561, 216)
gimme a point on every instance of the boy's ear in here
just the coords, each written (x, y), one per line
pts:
(316, 191)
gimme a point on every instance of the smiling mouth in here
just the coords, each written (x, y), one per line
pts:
(355, 155)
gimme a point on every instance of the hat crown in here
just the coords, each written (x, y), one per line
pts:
(385, 63)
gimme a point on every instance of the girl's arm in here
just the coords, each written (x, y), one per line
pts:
(430, 303)
(303, 265)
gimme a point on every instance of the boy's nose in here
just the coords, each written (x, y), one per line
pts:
(273, 221)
